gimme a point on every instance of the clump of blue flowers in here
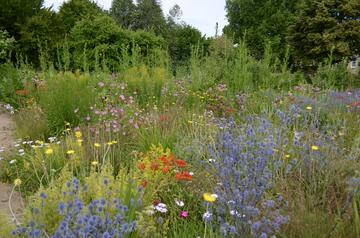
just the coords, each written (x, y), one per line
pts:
(245, 163)
(101, 218)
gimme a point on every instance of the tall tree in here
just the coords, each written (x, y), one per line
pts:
(149, 16)
(75, 10)
(260, 21)
(41, 29)
(323, 27)
(15, 13)
(123, 12)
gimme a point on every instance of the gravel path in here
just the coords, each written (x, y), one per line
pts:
(7, 130)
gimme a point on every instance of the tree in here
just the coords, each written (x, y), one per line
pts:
(123, 12)
(149, 16)
(260, 21)
(15, 13)
(324, 27)
(75, 10)
(42, 29)
(99, 38)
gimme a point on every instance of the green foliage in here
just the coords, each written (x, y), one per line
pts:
(12, 79)
(6, 44)
(100, 41)
(75, 10)
(335, 76)
(42, 32)
(66, 98)
(325, 27)
(260, 21)
(123, 12)
(149, 16)
(181, 40)
(15, 13)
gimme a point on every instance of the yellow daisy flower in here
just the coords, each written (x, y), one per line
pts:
(210, 197)
(49, 151)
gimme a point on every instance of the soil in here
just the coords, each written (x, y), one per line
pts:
(7, 130)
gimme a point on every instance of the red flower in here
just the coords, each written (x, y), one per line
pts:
(186, 176)
(164, 159)
(180, 163)
(166, 170)
(141, 166)
(155, 166)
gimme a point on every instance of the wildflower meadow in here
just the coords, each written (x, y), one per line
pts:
(118, 140)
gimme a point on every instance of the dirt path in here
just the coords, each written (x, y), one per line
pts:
(7, 130)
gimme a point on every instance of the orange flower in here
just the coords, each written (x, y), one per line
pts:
(180, 163)
(185, 175)
(166, 170)
(141, 166)
(164, 159)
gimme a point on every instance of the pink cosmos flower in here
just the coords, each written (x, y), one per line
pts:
(184, 214)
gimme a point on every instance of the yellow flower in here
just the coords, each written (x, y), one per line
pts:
(210, 197)
(97, 145)
(287, 156)
(309, 108)
(17, 182)
(70, 152)
(78, 134)
(67, 124)
(114, 142)
(110, 143)
(94, 163)
(49, 151)
(80, 141)
(314, 147)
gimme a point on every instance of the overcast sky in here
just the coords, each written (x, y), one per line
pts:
(202, 14)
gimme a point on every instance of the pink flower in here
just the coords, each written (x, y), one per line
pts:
(184, 214)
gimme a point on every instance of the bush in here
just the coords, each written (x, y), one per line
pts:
(100, 42)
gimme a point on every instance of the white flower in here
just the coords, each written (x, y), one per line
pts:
(17, 145)
(179, 203)
(161, 207)
(12, 161)
(191, 173)
(21, 151)
(207, 215)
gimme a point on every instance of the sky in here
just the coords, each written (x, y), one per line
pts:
(202, 14)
